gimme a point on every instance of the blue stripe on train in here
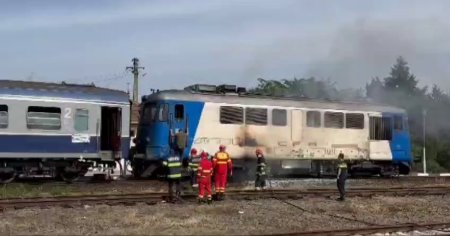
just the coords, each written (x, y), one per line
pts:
(51, 144)
(401, 141)
(194, 110)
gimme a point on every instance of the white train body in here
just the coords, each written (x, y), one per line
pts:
(294, 135)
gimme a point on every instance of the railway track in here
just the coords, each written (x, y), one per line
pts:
(403, 228)
(155, 197)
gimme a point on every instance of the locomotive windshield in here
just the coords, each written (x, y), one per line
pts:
(155, 112)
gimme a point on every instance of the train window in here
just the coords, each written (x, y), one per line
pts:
(380, 128)
(47, 118)
(179, 112)
(163, 113)
(256, 116)
(231, 115)
(81, 122)
(398, 123)
(354, 121)
(334, 120)
(148, 114)
(279, 117)
(313, 119)
(3, 116)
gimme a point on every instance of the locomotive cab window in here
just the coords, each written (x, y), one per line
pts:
(46, 118)
(334, 120)
(398, 123)
(3, 116)
(354, 121)
(81, 122)
(313, 119)
(149, 114)
(163, 113)
(279, 117)
(179, 112)
(256, 116)
(231, 115)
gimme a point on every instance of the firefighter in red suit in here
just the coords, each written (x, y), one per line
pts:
(205, 171)
(222, 167)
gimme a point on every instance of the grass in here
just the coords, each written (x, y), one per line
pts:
(24, 190)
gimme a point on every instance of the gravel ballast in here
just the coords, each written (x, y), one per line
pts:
(228, 217)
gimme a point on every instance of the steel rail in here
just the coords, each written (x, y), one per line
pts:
(371, 230)
(155, 197)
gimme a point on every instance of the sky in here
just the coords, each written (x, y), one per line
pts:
(234, 42)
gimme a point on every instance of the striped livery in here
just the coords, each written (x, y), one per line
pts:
(297, 136)
(60, 128)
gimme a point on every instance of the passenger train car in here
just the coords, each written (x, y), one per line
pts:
(297, 136)
(60, 129)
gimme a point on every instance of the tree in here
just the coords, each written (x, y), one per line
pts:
(269, 87)
(401, 79)
(375, 89)
(306, 88)
(437, 94)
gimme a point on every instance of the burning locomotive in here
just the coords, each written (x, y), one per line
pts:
(299, 136)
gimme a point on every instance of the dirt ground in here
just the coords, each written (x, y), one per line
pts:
(225, 218)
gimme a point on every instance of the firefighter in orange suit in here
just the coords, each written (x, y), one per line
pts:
(205, 171)
(222, 167)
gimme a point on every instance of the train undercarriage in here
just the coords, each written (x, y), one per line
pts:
(66, 170)
(245, 168)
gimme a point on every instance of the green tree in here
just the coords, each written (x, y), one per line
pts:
(401, 79)
(306, 88)
(269, 88)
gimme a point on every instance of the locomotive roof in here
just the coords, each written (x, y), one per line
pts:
(87, 93)
(182, 95)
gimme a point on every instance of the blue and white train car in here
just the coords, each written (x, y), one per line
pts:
(60, 129)
(297, 136)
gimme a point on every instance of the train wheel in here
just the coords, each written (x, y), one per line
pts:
(138, 169)
(69, 176)
(7, 176)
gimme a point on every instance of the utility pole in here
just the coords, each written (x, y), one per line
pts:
(135, 70)
(424, 158)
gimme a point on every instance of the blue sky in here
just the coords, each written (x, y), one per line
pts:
(235, 42)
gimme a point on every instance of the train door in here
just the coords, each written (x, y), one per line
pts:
(110, 133)
(296, 127)
(380, 135)
(179, 128)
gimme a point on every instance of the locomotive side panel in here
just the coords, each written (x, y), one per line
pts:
(325, 139)
(281, 141)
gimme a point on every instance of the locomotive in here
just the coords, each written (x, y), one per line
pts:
(60, 129)
(298, 136)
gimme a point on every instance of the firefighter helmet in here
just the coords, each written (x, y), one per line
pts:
(204, 155)
(258, 151)
(194, 151)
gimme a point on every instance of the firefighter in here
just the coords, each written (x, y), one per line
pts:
(222, 168)
(173, 165)
(205, 171)
(261, 175)
(341, 176)
(194, 161)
